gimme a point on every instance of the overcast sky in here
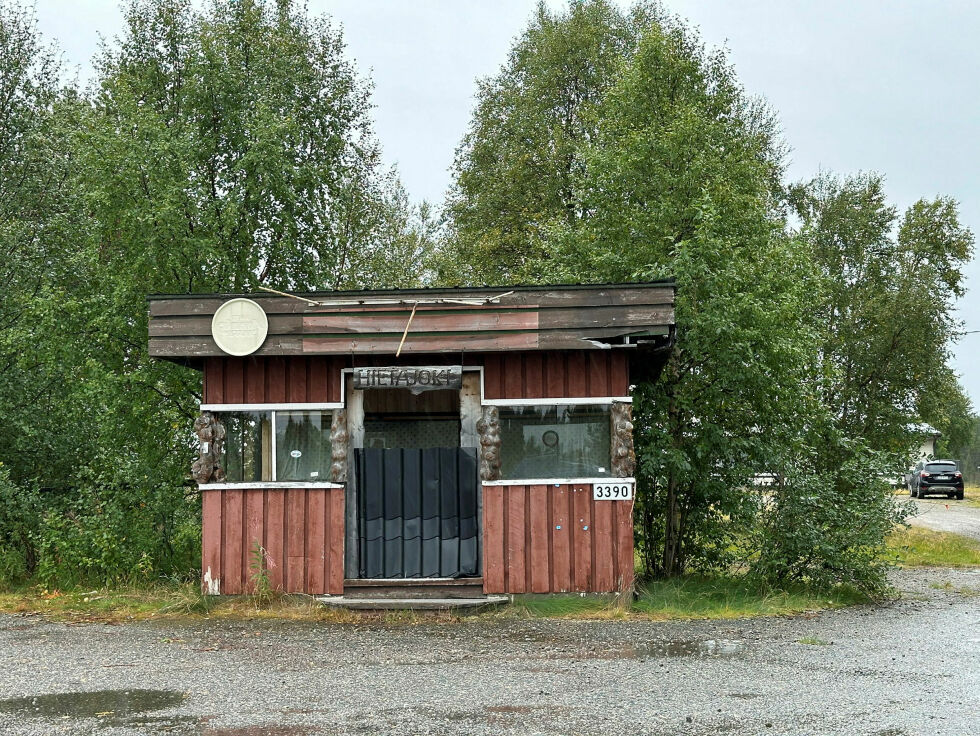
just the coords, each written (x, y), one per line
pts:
(859, 85)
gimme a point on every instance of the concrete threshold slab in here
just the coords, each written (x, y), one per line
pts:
(413, 604)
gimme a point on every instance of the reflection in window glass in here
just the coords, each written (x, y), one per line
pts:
(303, 445)
(561, 441)
(248, 446)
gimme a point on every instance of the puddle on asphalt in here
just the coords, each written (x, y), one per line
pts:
(682, 648)
(96, 703)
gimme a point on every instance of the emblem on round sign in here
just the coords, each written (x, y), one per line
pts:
(239, 327)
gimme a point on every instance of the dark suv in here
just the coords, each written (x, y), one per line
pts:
(936, 476)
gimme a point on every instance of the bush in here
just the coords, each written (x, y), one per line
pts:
(824, 528)
(111, 534)
(19, 522)
(101, 532)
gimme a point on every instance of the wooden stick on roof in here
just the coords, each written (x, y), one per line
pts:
(291, 296)
(405, 333)
(474, 302)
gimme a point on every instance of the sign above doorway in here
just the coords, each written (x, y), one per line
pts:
(415, 378)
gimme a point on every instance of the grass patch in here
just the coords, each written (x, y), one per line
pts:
(684, 598)
(166, 601)
(948, 587)
(971, 496)
(690, 597)
(917, 547)
(590, 605)
(813, 641)
(732, 597)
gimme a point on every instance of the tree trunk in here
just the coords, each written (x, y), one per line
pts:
(673, 526)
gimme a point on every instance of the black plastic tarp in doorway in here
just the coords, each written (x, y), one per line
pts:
(417, 512)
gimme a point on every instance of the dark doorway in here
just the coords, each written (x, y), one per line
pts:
(417, 512)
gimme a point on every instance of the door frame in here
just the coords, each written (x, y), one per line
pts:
(470, 411)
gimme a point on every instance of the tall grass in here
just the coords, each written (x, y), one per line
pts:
(916, 547)
(689, 597)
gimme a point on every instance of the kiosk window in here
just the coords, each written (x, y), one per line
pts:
(558, 441)
(301, 446)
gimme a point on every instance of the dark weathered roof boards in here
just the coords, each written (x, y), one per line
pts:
(578, 317)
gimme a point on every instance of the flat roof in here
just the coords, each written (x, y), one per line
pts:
(430, 320)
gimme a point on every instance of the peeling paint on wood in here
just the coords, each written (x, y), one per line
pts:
(212, 585)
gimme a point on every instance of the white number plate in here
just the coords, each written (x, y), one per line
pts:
(612, 491)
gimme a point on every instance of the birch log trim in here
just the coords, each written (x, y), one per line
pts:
(488, 427)
(623, 459)
(211, 432)
(338, 446)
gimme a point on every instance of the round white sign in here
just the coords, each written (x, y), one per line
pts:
(239, 326)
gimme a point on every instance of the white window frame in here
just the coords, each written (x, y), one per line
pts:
(559, 481)
(342, 404)
(564, 400)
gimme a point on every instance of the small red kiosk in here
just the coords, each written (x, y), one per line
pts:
(478, 437)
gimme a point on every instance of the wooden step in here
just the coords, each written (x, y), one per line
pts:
(468, 605)
(409, 588)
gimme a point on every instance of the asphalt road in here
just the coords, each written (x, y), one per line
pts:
(944, 515)
(911, 667)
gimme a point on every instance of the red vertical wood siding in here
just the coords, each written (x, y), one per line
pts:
(300, 529)
(262, 380)
(555, 539)
(537, 375)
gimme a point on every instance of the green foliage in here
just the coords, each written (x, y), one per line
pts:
(248, 157)
(727, 404)
(885, 308)
(826, 520)
(969, 452)
(518, 167)
(111, 533)
(217, 149)
(19, 522)
(613, 146)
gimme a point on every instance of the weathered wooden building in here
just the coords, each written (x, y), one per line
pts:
(480, 435)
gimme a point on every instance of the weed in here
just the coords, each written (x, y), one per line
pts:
(948, 587)
(814, 641)
(262, 591)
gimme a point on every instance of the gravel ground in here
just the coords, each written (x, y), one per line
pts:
(944, 515)
(910, 667)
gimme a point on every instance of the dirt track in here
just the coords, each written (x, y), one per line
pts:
(945, 515)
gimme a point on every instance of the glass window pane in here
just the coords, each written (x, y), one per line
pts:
(558, 441)
(248, 446)
(303, 445)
